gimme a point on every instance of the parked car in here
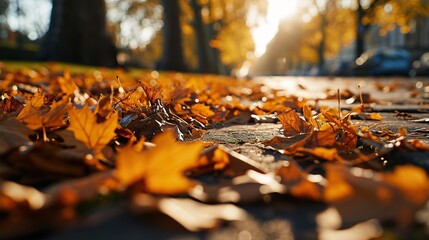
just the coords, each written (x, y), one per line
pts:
(421, 67)
(383, 61)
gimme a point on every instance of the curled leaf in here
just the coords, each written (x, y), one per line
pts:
(292, 124)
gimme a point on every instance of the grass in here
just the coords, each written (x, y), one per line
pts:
(73, 68)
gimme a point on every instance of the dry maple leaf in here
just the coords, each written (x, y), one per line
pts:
(104, 109)
(67, 85)
(292, 124)
(9, 104)
(84, 125)
(36, 116)
(160, 168)
(202, 109)
(152, 93)
(309, 117)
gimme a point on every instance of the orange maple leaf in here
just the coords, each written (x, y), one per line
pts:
(161, 168)
(36, 116)
(84, 125)
(202, 109)
(67, 85)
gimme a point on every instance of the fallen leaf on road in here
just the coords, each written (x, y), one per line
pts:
(159, 169)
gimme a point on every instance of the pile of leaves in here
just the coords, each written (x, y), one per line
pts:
(67, 140)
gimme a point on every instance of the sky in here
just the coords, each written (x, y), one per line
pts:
(34, 24)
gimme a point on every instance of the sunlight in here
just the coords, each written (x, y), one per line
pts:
(277, 11)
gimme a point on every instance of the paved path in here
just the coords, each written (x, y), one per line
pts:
(285, 219)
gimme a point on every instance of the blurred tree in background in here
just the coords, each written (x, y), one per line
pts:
(324, 28)
(387, 14)
(207, 36)
(78, 33)
(4, 5)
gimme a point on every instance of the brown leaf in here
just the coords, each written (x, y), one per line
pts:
(103, 109)
(152, 93)
(292, 124)
(13, 134)
(10, 104)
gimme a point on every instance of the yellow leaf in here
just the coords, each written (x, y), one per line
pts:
(160, 168)
(83, 123)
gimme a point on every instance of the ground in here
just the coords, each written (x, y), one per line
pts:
(371, 204)
(280, 217)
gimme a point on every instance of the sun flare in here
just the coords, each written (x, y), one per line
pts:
(267, 28)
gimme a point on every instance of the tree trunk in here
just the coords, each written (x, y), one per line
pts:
(206, 61)
(321, 48)
(172, 52)
(78, 33)
(360, 31)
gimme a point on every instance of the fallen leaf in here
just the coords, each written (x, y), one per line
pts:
(84, 125)
(292, 124)
(13, 134)
(202, 109)
(394, 196)
(300, 184)
(37, 116)
(160, 169)
(370, 116)
(152, 93)
(10, 104)
(402, 131)
(67, 85)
